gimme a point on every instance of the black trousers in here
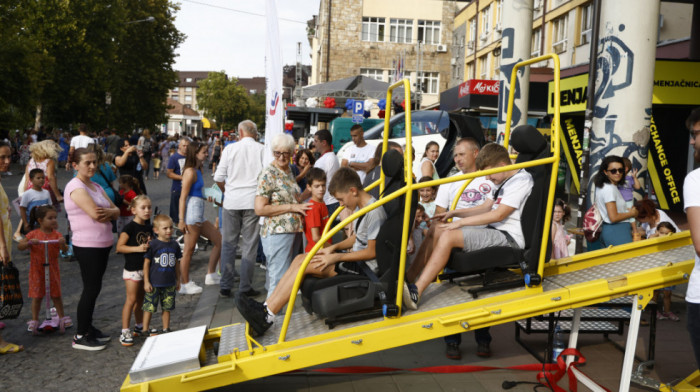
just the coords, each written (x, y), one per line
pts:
(694, 328)
(93, 264)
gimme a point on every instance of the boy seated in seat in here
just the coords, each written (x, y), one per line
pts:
(347, 188)
(501, 215)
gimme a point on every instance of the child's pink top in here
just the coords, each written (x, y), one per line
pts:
(87, 232)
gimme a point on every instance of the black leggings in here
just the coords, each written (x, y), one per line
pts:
(93, 264)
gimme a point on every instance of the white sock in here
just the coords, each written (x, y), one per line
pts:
(125, 330)
(269, 317)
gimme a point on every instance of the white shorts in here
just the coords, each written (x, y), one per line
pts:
(136, 276)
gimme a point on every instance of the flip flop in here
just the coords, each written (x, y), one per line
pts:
(11, 348)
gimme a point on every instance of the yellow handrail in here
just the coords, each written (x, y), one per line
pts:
(328, 232)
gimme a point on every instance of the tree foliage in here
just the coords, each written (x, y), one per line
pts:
(223, 99)
(65, 57)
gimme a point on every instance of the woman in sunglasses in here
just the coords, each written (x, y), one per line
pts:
(277, 199)
(611, 204)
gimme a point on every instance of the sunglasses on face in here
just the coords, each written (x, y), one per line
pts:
(616, 171)
(278, 154)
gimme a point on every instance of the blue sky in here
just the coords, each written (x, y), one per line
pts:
(219, 38)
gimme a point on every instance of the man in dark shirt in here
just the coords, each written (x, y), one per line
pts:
(175, 165)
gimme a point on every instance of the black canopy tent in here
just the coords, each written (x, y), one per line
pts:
(358, 87)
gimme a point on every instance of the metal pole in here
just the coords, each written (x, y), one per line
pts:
(631, 345)
(588, 121)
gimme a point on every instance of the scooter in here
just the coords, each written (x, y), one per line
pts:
(52, 321)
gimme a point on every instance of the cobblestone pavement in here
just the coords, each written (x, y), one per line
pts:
(48, 362)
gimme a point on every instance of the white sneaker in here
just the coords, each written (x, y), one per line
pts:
(190, 288)
(212, 279)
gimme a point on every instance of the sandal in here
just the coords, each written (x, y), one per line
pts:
(32, 326)
(18, 237)
(11, 348)
(63, 323)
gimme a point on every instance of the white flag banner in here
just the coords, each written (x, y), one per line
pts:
(274, 111)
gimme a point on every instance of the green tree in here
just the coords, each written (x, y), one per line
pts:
(257, 109)
(223, 99)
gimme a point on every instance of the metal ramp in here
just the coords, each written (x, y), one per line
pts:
(632, 269)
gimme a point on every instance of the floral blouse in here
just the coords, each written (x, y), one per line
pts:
(280, 188)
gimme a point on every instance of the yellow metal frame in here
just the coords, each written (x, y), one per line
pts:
(255, 360)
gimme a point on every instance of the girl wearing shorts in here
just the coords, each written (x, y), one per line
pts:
(133, 243)
(192, 222)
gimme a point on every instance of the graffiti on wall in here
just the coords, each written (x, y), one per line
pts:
(615, 65)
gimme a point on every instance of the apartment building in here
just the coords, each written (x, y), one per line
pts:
(558, 26)
(367, 37)
(186, 90)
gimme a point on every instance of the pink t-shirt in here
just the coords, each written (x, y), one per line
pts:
(87, 232)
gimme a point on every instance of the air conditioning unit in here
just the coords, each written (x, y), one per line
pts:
(484, 36)
(441, 48)
(470, 45)
(498, 27)
(453, 61)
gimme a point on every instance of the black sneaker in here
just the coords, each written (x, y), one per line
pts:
(410, 296)
(85, 343)
(225, 293)
(155, 332)
(126, 338)
(452, 351)
(254, 313)
(138, 331)
(98, 335)
(251, 293)
(483, 350)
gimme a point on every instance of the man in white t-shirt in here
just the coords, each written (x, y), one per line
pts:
(360, 154)
(691, 196)
(80, 141)
(476, 193)
(328, 162)
(501, 216)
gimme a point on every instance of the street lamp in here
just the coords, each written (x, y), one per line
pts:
(149, 19)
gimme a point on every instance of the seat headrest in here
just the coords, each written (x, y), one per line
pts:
(392, 163)
(526, 139)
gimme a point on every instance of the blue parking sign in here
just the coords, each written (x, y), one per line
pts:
(358, 111)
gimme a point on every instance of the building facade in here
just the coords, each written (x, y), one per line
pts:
(385, 40)
(186, 90)
(558, 26)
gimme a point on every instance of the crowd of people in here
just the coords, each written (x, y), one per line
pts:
(279, 209)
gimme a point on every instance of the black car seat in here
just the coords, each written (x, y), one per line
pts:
(531, 145)
(345, 298)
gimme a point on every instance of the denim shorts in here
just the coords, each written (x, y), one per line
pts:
(194, 214)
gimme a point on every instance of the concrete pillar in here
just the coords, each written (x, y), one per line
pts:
(515, 47)
(624, 82)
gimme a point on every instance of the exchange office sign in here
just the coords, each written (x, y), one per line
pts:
(675, 83)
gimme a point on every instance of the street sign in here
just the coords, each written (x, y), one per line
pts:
(358, 112)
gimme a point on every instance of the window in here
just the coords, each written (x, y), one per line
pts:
(483, 66)
(472, 33)
(253, 91)
(377, 74)
(470, 70)
(559, 27)
(188, 98)
(175, 97)
(586, 23)
(176, 89)
(401, 30)
(188, 80)
(429, 82)
(536, 42)
(429, 32)
(188, 89)
(373, 29)
(486, 20)
(499, 11)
